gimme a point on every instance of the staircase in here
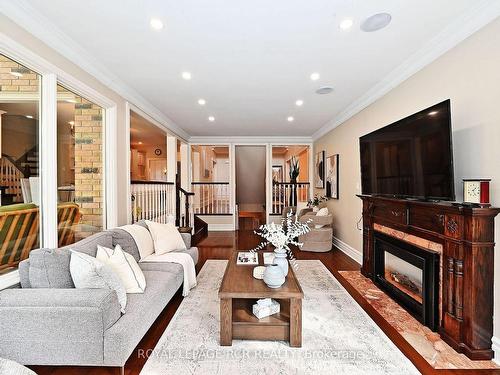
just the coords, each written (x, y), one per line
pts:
(29, 163)
(200, 230)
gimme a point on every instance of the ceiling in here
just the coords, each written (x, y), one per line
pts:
(141, 130)
(251, 60)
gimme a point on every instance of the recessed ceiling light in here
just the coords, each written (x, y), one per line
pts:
(71, 123)
(299, 103)
(201, 101)
(346, 24)
(324, 90)
(433, 113)
(376, 22)
(29, 116)
(156, 24)
(315, 76)
(16, 74)
(139, 143)
(186, 76)
(290, 118)
(211, 118)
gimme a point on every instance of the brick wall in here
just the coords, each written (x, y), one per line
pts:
(28, 82)
(88, 166)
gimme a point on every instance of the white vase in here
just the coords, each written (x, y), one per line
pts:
(273, 276)
(280, 258)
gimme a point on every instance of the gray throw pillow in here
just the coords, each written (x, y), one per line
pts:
(89, 273)
(49, 268)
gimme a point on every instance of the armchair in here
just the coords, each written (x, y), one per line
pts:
(318, 239)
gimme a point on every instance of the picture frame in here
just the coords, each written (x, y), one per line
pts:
(319, 170)
(332, 176)
(277, 173)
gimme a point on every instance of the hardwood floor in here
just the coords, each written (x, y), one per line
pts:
(220, 245)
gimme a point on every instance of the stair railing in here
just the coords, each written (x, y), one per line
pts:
(10, 177)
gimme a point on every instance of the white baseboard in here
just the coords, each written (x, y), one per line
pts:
(348, 250)
(495, 345)
(220, 227)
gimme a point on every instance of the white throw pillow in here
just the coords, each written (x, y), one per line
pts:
(166, 237)
(321, 212)
(124, 266)
(89, 273)
(142, 239)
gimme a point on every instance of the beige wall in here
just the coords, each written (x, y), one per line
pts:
(22, 37)
(469, 75)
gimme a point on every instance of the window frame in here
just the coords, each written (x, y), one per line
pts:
(50, 76)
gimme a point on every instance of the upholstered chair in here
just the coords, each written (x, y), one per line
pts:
(318, 239)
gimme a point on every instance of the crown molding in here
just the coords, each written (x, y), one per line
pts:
(287, 140)
(456, 32)
(43, 29)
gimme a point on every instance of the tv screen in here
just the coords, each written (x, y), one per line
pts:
(411, 158)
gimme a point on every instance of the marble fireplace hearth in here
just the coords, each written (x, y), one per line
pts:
(436, 352)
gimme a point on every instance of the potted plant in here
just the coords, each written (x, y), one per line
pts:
(316, 201)
(281, 236)
(294, 169)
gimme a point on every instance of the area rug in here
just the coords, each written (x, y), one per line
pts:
(338, 337)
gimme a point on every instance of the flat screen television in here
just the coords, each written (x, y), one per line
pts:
(411, 158)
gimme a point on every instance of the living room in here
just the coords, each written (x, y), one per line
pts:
(131, 242)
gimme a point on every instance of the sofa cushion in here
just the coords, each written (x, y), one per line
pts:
(24, 273)
(49, 268)
(89, 273)
(89, 245)
(126, 241)
(170, 267)
(143, 309)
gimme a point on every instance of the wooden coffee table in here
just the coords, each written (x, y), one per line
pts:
(239, 290)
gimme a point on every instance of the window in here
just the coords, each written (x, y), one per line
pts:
(79, 167)
(19, 163)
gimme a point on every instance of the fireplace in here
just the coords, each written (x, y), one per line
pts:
(410, 275)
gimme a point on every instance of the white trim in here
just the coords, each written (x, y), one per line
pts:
(245, 140)
(9, 279)
(495, 345)
(220, 227)
(456, 32)
(48, 161)
(110, 168)
(128, 189)
(348, 250)
(22, 13)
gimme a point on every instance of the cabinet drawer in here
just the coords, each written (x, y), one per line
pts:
(427, 218)
(390, 211)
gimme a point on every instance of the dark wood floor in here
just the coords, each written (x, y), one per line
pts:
(220, 245)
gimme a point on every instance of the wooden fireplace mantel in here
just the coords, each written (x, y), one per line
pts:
(467, 236)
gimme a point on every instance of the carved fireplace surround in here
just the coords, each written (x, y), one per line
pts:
(464, 237)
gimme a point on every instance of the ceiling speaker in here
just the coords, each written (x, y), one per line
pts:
(376, 22)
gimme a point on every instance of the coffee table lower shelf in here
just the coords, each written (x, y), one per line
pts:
(238, 322)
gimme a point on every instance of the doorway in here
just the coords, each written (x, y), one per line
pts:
(250, 181)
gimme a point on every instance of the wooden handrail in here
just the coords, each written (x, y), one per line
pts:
(291, 183)
(146, 182)
(209, 183)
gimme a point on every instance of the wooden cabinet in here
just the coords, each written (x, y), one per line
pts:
(467, 237)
